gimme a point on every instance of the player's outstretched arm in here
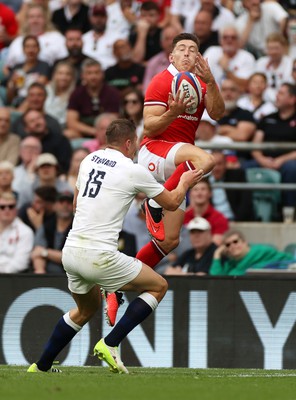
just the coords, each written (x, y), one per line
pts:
(213, 100)
(172, 200)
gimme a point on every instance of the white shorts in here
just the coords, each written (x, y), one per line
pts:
(110, 270)
(158, 157)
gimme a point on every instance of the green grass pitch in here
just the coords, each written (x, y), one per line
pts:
(147, 384)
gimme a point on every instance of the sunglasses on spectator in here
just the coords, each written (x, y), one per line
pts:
(234, 241)
(7, 206)
(132, 101)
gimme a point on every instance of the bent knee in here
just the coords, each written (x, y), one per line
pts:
(209, 163)
(169, 244)
(162, 287)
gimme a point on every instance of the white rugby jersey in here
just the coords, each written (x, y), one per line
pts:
(107, 183)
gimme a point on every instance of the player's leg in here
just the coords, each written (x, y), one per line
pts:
(153, 252)
(152, 287)
(67, 327)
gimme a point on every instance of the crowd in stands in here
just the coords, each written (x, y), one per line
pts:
(68, 68)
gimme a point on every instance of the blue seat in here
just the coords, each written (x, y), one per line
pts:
(266, 202)
(291, 248)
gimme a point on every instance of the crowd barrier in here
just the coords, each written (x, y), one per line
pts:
(203, 322)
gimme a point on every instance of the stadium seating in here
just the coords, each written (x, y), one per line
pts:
(265, 202)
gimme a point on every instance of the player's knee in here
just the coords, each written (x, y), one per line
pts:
(173, 243)
(163, 287)
(209, 163)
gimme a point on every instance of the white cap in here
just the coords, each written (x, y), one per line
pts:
(46, 158)
(199, 223)
(206, 118)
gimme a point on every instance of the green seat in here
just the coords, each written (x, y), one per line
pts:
(266, 202)
(291, 248)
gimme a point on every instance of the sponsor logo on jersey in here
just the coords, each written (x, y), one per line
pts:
(151, 167)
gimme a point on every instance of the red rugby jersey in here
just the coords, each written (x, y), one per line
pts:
(183, 128)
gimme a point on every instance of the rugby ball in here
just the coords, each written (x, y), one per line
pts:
(189, 85)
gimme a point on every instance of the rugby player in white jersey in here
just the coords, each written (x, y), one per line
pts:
(107, 183)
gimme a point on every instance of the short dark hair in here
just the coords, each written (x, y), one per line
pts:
(258, 74)
(90, 62)
(39, 86)
(47, 193)
(31, 37)
(291, 88)
(120, 130)
(185, 36)
(150, 5)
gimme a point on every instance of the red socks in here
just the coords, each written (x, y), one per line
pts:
(173, 180)
(151, 254)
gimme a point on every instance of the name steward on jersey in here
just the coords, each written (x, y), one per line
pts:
(105, 161)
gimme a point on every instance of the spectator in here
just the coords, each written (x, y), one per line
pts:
(237, 124)
(15, 5)
(40, 209)
(24, 173)
(290, 33)
(125, 73)
(180, 10)
(9, 26)
(207, 131)
(9, 142)
(89, 100)
(133, 103)
(235, 255)
(47, 170)
(74, 45)
(35, 124)
(6, 177)
(73, 13)
(279, 127)
(222, 16)
(254, 100)
(230, 61)
(160, 61)
(293, 80)
(59, 90)
(101, 124)
(258, 20)
(203, 29)
(276, 65)
(24, 74)
(121, 15)
(52, 43)
(198, 259)
(165, 12)
(35, 100)
(16, 238)
(77, 156)
(145, 34)
(51, 236)
(235, 205)
(200, 206)
(97, 43)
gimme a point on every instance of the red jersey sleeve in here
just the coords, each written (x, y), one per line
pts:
(158, 90)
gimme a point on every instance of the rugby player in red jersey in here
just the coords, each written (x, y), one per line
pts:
(168, 148)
